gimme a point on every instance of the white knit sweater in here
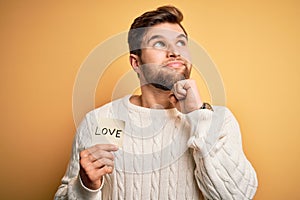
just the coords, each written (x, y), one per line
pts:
(166, 155)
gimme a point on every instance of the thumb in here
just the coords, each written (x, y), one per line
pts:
(174, 101)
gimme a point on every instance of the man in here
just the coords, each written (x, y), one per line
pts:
(174, 146)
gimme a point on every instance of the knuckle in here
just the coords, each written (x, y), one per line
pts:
(90, 157)
(82, 154)
(102, 154)
(100, 162)
(111, 156)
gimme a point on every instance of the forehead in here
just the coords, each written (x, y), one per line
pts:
(168, 30)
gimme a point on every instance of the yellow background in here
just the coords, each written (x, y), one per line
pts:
(255, 45)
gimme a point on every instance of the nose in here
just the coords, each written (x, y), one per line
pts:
(172, 52)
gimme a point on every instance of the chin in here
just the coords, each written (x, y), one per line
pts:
(165, 77)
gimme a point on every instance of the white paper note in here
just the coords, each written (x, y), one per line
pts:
(109, 131)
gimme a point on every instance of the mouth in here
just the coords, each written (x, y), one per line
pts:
(175, 64)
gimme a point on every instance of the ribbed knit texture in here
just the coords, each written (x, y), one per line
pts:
(167, 155)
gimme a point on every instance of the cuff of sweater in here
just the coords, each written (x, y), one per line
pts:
(199, 115)
(82, 192)
(199, 121)
(102, 183)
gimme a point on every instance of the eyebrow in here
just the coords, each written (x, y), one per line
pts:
(182, 35)
(160, 36)
(155, 37)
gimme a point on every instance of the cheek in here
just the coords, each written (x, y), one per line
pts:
(153, 56)
(186, 55)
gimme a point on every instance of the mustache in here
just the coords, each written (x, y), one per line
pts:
(176, 60)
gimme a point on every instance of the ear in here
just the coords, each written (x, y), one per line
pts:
(135, 62)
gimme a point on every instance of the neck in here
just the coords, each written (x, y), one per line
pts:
(152, 97)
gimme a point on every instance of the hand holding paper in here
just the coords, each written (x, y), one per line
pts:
(98, 160)
(95, 162)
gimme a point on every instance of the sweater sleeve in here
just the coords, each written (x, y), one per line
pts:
(71, 185)
(222, 169)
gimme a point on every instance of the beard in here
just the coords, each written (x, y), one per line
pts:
(162, 77)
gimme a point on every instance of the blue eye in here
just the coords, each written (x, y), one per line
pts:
(181, 43)
(159, 44)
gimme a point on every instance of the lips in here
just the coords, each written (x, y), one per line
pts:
(175, 64)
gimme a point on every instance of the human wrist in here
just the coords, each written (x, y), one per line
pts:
(87, 183)
(91, 190)
(80, 191)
